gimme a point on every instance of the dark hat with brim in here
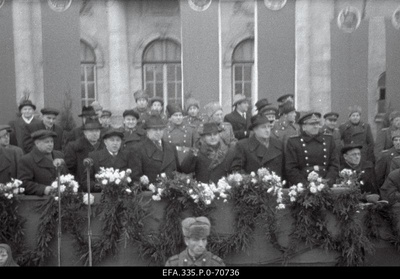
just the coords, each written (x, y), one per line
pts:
(209, 128)
(26, 103)
(92, 124)
(113, 132)
(267, 110)
(42, 134)
(331, 115)
(350, 147)
(310, 118)
(87, 111)
(257, 120)
(131, 112)
(287, 107)
(262, 103)
(51, 111)
(154, 121)
(283, 98)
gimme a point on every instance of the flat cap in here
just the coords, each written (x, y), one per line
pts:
(130, 112)
(113, 132)
(42, 134)
(350, 147)
(49, 111)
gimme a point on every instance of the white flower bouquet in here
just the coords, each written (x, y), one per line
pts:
(119, 179)
(68, 186)
(12, 188)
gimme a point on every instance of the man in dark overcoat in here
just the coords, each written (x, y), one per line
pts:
(260, 150)
(365, 169)
(26, 110)
(49, 116)
(8, 164)
(239, 117)
(390, 189)
(111, 156)
(384, 136)
(311, 151)
(212, 160)
(37, 169)
(154, 156)
(383, 164)
(133, 133)
(76, 151)
(77, 132)
(5, 131)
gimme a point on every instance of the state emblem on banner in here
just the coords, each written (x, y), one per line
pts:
(275, 5)
(199, 5)
(59, 5)
(396, 18)
(349, 19)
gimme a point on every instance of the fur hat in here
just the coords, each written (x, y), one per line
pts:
(131, 112)
(354, 109)
(173, 108)
(238, 98)
(154, 121)
(140, 94)
(191, 102)
(395, 133)
(157, 99)
(198, 227)
(212, 108)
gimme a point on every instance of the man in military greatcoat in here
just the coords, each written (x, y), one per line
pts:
(76, 151)
(37, 169)
(286, 126)
(49, 116)
(154, 156)
(355, 131)
(193, 118)
(195, 231)
(239, 117)
(383, 164)
(177, 132)
(329, 128)
(111, 156)
(311, 151)
(384, 136)
(260, 150)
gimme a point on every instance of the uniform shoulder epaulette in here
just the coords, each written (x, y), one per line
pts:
(385, 129)
(386, 150)
(217, 259)
(294, 136)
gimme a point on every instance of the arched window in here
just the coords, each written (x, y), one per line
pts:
(162, 74)
(242, 68)
(88, 74)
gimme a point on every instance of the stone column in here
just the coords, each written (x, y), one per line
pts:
(119, 97)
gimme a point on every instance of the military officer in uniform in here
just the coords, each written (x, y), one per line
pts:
(195, 232)
(177, 132)
(193, 118)
(285, 126)
(259, 150)
(215, 114)
(329, 128)
(383, 164)
(133, 133)
(355, 131)
(270, 112)
(311, 151)
(239, 117)
(260, 104)
(384, 137)
(142, 106)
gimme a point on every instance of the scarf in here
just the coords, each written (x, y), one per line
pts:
(216, 153)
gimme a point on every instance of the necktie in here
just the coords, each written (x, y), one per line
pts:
(158, 144)
(244, 115)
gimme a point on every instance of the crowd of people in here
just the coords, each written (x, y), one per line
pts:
(209, 144)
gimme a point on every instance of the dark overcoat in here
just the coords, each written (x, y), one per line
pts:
(36, 171)
(359, 134)
(75, 152)
(103, 158)
(305, 153)
(390, 189)
(383, 141)
(367, 177)
(240, 125)
(251, 155)
(382, 165)
(203, 167)
(8, 164)
(131, 138)
(18, 130)
(150, 161)
(30, 128)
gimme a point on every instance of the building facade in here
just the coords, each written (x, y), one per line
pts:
(329, 54)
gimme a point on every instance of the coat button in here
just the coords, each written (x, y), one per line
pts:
(305, 151)
(306, 158)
